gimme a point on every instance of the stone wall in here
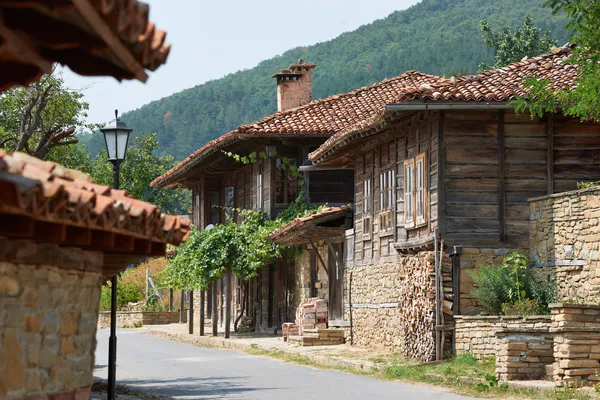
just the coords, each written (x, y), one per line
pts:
(576, 330)
(302, 274)
(48, 321)
(477, 334)
(393, 303)
(565, 243)
(524, 355)
(133, 319)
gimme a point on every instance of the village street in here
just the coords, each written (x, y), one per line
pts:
(179, 370)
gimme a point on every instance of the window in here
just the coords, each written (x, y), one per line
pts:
(229, 202)
(286, 182)
(415, 191)
(259, 187)
(367, 198)
(386, 199)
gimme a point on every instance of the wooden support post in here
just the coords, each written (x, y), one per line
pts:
(182, 308)
(202, 294)
(441, 186)
(550, 153)
(228, 294)
(191, 317)
(319, 256)
(147, 283)
(171, 300)
(338, 263)
(501, 174)
(214, 312)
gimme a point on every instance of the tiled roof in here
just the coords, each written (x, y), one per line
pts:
(496, 85)
(93, 37)
(47, 193)
(323, 117)
(294, 233)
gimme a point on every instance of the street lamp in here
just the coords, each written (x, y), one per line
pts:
(116, 138)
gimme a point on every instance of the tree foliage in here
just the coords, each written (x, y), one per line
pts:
(140, 167)
(243, 247)
(526, 41)
(41, 117)
(584, 101)
(434, 36)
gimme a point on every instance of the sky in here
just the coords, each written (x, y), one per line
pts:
(213, 38)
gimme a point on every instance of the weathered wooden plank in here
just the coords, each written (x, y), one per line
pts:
(472, 156)
(585, 171)
(470, 142)
(522, 130)
(474, 197)
(471, 117)
(577, 156)
(473, 210)
(471, 171)
(525, 171)
(476, 184)
(516, 184)
(511, 117)
(523, 142)
(565, 185)
(576, 129)
(517, 211)
(477, 130)
(475, 226)
(550, 154)
(569, 142)
(521, 197)
(526, 156)
(439, 179)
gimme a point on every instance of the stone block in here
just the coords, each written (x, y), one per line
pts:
(579, 364)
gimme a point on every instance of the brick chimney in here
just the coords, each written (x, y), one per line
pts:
(294, 87)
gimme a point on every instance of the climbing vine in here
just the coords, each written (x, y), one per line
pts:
(243, 246)
(286, 163)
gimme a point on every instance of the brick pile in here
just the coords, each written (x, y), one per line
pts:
(289, 329)
(312, 314)
(319, 337)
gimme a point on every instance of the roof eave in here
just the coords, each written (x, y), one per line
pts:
(450, 105)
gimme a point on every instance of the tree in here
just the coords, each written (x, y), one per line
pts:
(582, 101)
(526, 41)
(140, 167)
(41, 117)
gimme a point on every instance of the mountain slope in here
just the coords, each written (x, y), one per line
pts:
(434, 36)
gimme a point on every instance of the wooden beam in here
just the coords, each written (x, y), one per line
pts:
(49, 232)
(501, 174)
(550, 152)
(228, 294)
(124, 243)
(318, 255)
(80, 237)
(91, 16)
(441, 186)
(214, 312)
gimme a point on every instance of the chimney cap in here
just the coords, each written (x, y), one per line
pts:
(295, 69)
(302, 65)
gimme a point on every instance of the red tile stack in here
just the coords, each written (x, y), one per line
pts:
(312, 314)
(289, 329)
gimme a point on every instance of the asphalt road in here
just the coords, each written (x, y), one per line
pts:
(185, 371)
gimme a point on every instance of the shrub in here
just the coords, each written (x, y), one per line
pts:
(512, 289)
(126, 293)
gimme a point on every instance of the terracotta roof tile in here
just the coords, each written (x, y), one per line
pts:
(323, 117)
(496, 85)
(303, 223)
(44, 191)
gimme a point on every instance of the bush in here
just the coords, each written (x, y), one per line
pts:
(512, 289)
(126, 293)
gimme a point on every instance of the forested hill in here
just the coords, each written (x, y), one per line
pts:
(434, 36)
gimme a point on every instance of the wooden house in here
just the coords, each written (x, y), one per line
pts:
(451, 158)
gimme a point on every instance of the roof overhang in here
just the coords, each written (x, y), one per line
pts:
(449, 105)
(323, 225)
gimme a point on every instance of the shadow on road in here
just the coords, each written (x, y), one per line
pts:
(192, 387)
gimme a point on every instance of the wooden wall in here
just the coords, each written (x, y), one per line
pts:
(410, 136)
(495, 161)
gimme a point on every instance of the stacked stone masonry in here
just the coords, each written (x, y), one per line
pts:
(523, 355)
(48, 319)
(318, 337)
(565, 243)
(393, 303)
(134, 319)
(478, 334)
(576, 330)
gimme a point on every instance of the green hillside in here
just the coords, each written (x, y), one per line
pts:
(434, 36)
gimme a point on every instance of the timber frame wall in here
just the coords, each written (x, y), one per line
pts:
(491, 162)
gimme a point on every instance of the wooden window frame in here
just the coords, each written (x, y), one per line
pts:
(387, 200)
(367, 207)
(259, 187)
(285, 174)
(416, 190)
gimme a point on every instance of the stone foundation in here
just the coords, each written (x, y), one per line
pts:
(478, 335)
(48, 319)
(393, 303)
(135, 319)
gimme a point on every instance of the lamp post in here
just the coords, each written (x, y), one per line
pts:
(116, 138)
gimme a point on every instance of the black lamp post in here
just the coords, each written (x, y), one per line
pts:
(116, 138)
